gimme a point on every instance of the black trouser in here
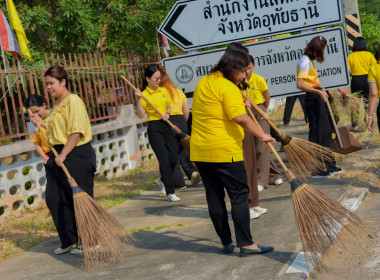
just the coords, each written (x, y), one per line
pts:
(359, 84)
(183, 156)
(289, 107)
(233, 177)
(81, 164)
(164, 146)
(320, 123)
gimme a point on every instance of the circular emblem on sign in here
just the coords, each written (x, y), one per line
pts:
(184, 74)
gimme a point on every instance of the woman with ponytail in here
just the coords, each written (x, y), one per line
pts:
(160, 135)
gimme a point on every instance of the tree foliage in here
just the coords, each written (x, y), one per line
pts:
(370, 22)
(67, 26)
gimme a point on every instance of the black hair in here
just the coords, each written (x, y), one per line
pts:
(35, 100)
(237, 47)
(315, 48)
(231, 62)
(59, 73)
(377, 54)
(251, 59)
(360, 44)
(149, 72)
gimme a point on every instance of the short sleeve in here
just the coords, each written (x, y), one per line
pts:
(233, 103)
(183, 96)
(303, 67)
(263, 85)
(143, 102)
(349, 62)
(77, 120)
(371, 76)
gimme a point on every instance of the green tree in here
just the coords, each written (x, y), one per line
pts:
(370, 23)
(68, 26)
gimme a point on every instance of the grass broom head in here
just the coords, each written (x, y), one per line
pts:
(305, 158)
(103, 238)
(185, 139)
(319, 220)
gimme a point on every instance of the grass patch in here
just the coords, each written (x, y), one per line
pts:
(159, 227)
(29, 227)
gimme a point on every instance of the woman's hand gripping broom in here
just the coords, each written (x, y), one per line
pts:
(103, 238)
(185, 139)
(319, 218)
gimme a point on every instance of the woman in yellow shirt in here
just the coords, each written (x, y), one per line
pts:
(374, 92)
(179, 115)
(320, 126)
(69, 131)
(160, 135)
(37, 105)
(359, 63)
(219, 120)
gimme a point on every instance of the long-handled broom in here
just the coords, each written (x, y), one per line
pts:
(103, 238)
(319, 218)
(305, 158)
(185, 139)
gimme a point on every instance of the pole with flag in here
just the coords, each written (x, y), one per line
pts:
(8, 42)
(16, 25)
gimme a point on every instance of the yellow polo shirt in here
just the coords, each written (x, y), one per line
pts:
(176, 103)
(69, 117)
(257, 85)
(306, 70)
(36, 136)
(214, 136)
(374, 76)
(159, 99)
(359, 62)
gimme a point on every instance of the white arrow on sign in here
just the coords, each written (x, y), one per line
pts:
(275, 60)
(194, 24)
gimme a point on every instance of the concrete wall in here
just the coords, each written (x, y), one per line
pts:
(120, 145)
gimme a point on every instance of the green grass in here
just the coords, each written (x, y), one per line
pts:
(159, 227)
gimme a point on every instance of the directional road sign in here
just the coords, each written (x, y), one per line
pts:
(194, 24)
(275, 60)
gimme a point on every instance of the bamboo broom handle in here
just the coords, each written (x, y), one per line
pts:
(150, 104)
(268, 143)
(261, 113)
(52, 148)
(334, 123)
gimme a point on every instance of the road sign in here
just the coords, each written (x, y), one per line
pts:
(275, 60)
(194, 24)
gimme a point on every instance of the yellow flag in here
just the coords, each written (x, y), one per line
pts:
(16, 25)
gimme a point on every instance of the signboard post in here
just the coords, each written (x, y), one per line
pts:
(275, 60)
(194, 24)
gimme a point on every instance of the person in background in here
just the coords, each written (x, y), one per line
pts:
(359, 63)
(179, 115)
(69, 132)
(249, 155)
(219, 120)
(37, 105)
(289, 104)
(374, 92)
(320, 126)
(267, 170)
(160, 135)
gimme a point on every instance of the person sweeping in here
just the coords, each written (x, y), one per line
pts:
(320, 127)
(37, 105)
(69, 132)
(219, 120)
(160, 135)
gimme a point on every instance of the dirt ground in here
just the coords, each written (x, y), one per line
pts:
(360, 258)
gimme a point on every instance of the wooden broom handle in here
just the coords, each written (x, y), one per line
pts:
(253, 104)
(268, 143)
(334, 123)
(150, 104)
(52, 148)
